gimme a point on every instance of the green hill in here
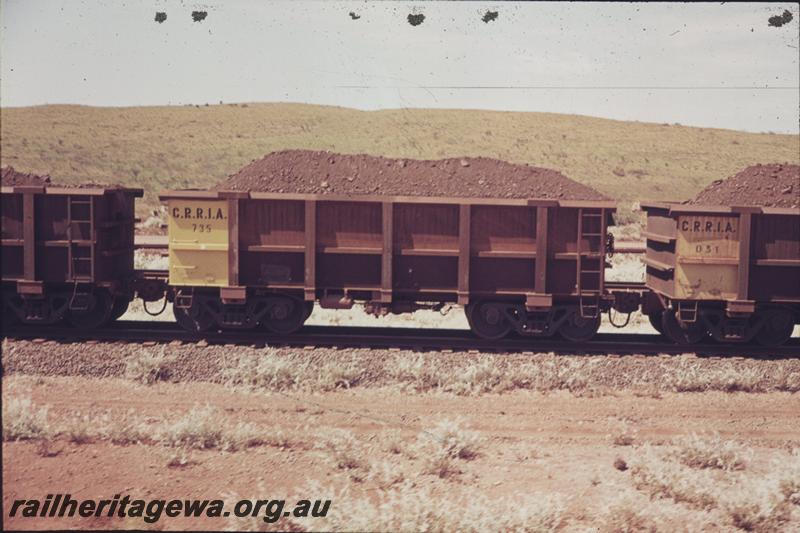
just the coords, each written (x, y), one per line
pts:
(162, 147)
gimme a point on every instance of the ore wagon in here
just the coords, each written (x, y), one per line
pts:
(729, 272)
(67, 253)
(244, 259)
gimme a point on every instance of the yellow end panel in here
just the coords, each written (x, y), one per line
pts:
(707, 250)
(198, 242)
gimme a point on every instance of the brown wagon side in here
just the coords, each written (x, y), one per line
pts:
(67, 253)
(535, 266)
(729, 272)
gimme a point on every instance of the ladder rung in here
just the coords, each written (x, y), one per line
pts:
(591, 215)
(75, 201)
(590, 271)
(591, 234)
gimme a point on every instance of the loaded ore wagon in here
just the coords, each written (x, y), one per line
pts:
(67, 252)
(728, 271)
(248, 258)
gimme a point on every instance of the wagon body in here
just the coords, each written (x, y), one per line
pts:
(723, 267)
(60, 245)
(391, 252)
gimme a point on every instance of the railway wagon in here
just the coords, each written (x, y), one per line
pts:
(248, 259)
(67, 253)
(729, 272)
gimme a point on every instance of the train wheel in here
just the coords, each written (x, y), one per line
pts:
(579, 329)
(193, 319)
(655, 321)
(120, 307)
(286, 316)
(487, 321)
(98, 312)
(681, 333)
(777, 329)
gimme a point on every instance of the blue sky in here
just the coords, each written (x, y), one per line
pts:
(713, 65)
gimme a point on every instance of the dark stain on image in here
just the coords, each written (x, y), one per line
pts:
(489, 16)
(779, 20)
(415, 19)
(161, 16)
(198, 16)
(354, 16)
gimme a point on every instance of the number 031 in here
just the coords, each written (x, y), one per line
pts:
(706, 249)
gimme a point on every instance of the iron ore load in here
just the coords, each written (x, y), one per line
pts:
(300, 227)
(727, 264)
(523, 249)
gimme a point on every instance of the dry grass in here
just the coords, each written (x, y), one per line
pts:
(200, 428)
(711, 452)
(273, 369)
(658, 478)
(147, 367)
(442, 446)
(343, 451)
(168, 147)
(406, 507)
(273, 372)
(709, 475)
(204, 428)
(419, 373)
(628, 517)
(22, 420)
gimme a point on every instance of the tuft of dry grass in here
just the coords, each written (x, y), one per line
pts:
(203, 428)
(627, 517)
(343, 451)
(659, 478)
(23, 420)
(710, 452)
(445, 443)
(148, 366)
(268, 371)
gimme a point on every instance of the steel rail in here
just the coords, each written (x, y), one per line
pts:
(400, 338)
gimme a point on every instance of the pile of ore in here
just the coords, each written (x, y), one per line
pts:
(316, 172)
(774, 185)
(12, 178)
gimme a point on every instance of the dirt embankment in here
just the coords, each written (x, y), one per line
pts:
(316, 172)
(522, 462)
(774, 185)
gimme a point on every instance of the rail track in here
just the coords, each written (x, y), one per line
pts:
(400, 338)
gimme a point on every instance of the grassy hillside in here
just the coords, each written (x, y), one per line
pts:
(162, 147)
